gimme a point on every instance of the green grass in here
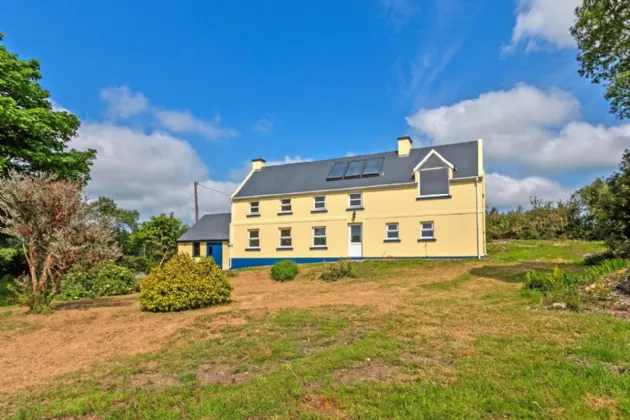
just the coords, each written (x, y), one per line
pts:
(470, 346)
(515, 251)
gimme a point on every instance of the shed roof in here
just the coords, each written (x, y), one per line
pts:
(311, 176)
(211, 227)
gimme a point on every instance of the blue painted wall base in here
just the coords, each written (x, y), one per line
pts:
(260, 262)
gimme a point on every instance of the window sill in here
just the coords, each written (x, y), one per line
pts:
(285, 213)
(316, 248)
(319, 211)
(284, 248)
(252, 249)
(253, 215)
(426, 240)
(355, 209)
(433, 197)
(391, 240)
(196, 256)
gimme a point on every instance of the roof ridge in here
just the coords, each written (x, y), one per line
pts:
(216, 214)
(357, 157)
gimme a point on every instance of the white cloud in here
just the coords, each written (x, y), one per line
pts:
(124, 103)
(544, 22)
(239, 174)
(526, 125)
(153, 173)
(263, 125)
(56, 107)
(505, 191)
(185, 122)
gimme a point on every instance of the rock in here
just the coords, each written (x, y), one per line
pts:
(559, 305)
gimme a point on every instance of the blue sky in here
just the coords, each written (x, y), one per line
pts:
(171, 92)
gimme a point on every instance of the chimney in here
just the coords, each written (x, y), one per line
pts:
(404, 145)
(258, 163)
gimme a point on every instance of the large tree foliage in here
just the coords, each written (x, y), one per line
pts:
(615, 209)
(33, 137)
(122, 221)
(602, 32)
(156, 238)
(57, 228)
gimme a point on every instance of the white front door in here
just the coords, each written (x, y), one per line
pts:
(355, 241)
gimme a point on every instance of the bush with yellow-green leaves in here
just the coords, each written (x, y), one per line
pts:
(183, 283)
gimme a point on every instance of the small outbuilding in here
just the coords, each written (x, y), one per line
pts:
(210, 236)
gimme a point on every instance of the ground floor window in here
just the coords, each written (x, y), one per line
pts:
(196, 249)
(426, 230)
(319, 236)
(391, 231)
(285, 238)
(254, 238)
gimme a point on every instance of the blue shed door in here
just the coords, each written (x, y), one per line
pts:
(215, 250)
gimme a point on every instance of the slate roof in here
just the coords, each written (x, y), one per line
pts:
(311, 176)
(211, 227)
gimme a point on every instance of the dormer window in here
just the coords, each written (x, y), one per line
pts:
(433, 182)
(433, 176)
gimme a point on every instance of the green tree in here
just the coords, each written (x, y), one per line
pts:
(33, 137)
(602, 32)
(589, 217)
(616, 208)
(122, 221)
(157, 237)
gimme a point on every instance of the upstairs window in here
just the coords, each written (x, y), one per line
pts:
(319, 202)
(434, 182)
(319, 237)
(254, 238)
(355, 200)
(254, 207)
(196, 249)
(285, 238)
(285, 205)
(426, 230)
(391, 232)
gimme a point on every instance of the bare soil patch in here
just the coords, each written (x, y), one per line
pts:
(78, 334)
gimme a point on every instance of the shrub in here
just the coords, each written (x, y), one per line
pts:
(593, 274)
(284, 270)
(338, 270)
(136, 264)
(183, 283)
(545, 282)
(105, 279)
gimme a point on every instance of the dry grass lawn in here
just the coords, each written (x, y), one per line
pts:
(408, 339)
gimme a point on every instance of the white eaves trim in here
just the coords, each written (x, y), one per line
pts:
(249, 175)
(432, 152)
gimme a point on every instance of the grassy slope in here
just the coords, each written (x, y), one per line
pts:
(469, 347)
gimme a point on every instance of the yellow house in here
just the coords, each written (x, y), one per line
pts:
(411, 203)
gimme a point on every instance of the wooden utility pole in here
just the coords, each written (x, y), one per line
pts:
(196, 204)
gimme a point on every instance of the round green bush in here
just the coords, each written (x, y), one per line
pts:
(105, 279)
(284, 270)
(183, 283)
